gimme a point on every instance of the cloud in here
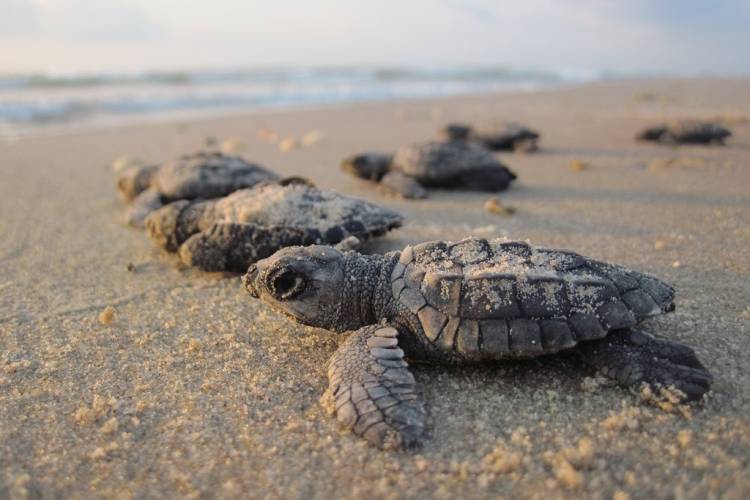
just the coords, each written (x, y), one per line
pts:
(108, 21)
(686, 36)
(18, 17)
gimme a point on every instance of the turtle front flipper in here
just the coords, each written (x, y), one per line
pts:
(632, 357)
(142, 205)
(233, 246)
(374, 393)
(368, 166)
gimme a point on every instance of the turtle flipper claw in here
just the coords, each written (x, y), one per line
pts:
(632, 357)
(374, 392)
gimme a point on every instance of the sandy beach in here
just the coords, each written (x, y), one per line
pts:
(194, 390)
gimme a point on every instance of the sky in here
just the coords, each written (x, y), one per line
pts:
(627, 36)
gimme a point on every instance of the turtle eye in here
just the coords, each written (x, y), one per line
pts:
(287, 284)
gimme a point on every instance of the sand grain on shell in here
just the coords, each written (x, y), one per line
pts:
(297, 206)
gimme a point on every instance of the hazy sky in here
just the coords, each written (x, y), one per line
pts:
(687, 36)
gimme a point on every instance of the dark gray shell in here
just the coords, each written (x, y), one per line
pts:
(207, 175)
(494, 298)
(495, 136)
(439, 163)
(326, 216)
(686, 132)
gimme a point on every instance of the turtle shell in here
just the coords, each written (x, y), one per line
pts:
(326, 216)
(488, 299)
(690, 131)
(504, 136)
(495, 136)
(686, 132)
(208, 175)
(439, 163)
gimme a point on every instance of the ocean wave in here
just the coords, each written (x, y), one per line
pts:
(41, 99)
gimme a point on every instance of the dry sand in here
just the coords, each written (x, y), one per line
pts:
(123, 374)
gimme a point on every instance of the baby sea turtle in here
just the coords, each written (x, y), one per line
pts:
(469, 301)
(686, 132)
(452, 164)
(495, 136)
(205, 174)
(230, 233)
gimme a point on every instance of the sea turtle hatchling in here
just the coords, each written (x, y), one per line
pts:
(468, 301)
(451, 164)
(205, 174)
(230, 233)
(495, 136)
(686, 132)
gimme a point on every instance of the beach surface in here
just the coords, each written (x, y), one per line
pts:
(187, 387)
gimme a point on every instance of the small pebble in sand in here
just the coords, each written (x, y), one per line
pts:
(502, 461)
(232, 146)
(109, 426)
(660, 245)
(567, 475)
(102, 452)
(676, 264)
(620, 495)
(107, 316)
(130, 267)
(268, 135)
(581, 456)
(494, 206)
(685, 438)
(84, 415)
(194, 346)
(311, 138)
(288, 144)
(578, 165)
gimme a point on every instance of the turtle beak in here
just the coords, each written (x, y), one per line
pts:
(249, 279)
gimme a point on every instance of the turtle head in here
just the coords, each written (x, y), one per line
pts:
(369, 166)
(305, 283)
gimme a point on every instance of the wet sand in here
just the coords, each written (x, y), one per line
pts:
(189, 388)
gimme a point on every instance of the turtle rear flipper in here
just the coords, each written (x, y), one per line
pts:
(632, 358)
(373, 391)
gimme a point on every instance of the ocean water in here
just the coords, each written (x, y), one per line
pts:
(32, 104)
